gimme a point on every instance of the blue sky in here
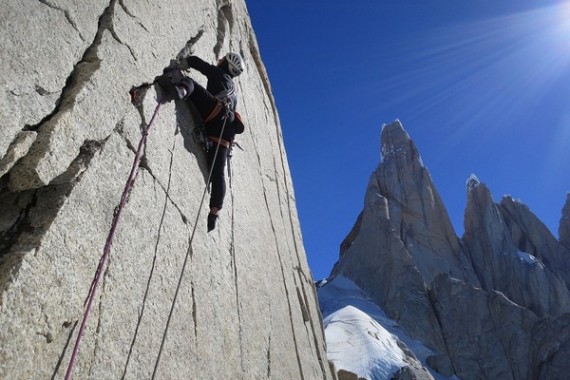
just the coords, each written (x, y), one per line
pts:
(482, 87)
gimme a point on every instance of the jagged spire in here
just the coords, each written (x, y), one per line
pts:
(471, 183)
(506, 273)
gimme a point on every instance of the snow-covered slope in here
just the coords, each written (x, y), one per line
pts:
(360, 345)
(360, 337)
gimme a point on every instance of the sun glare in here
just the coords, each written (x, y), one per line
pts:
(564, 29)
(498, 67)
(561, 25)
(501, 66)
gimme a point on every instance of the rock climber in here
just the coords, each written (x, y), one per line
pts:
(216, 105)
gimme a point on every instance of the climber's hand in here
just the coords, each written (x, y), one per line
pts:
(182, 64)
(181, 57)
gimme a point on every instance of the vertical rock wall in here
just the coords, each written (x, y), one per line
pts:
(235, 303)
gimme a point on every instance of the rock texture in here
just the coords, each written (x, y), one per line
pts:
(564, 229)
(530, 235)
(485, 332)
(519, 272)
(415, 208)
(236, 303)
(485, 302)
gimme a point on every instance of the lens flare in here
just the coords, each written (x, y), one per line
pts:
(499, 66)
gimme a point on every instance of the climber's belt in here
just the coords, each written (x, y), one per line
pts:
(220, 141)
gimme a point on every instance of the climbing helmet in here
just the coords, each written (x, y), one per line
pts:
(235, 64)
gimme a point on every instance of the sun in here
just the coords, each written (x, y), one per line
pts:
(562, 23)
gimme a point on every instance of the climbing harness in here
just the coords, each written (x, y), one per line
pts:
(221, 141)
(215, 112)
(109, 242)
(226, 97)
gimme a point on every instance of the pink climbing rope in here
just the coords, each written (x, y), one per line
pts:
(109, 242)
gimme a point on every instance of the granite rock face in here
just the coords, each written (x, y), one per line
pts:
(379, 263)
(415, 208)
(238, 302)
(530, 235)
(525, 274)
(485, 302)
(551, 348)
(485, 332)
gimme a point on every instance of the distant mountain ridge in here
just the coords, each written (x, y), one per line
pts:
(493, 304)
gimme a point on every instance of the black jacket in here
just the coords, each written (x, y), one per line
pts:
(220, 83)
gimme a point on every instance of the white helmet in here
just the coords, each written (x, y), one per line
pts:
(235, 64)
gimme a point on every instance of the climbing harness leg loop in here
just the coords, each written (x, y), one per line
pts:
(221, 141)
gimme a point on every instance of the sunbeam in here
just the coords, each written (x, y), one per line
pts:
(496, 67)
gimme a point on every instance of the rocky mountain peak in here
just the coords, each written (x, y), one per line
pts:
(476, 300)
(396, 144)
(415, 209)
(480, 209)
(471, 183)
(502, 241)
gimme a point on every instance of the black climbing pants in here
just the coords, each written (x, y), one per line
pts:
(218, 126)
(217, 164)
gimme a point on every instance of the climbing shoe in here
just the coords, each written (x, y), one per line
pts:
(169, 90)
(169, 83)
(212, 221)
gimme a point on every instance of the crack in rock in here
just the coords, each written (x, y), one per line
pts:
(225, 15)
(144, 164)
(76, 81)
(182, 215)
(269, 358)
(111, 28)
(97, 344)
(128, 12)
(122, 4)
(67, 15)
(83, 70)
(254, 51)
(188, 50)
(78, 166)
(65, 325)
(194, 312)
(30, 213)
(16, 219)
(18, 148)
